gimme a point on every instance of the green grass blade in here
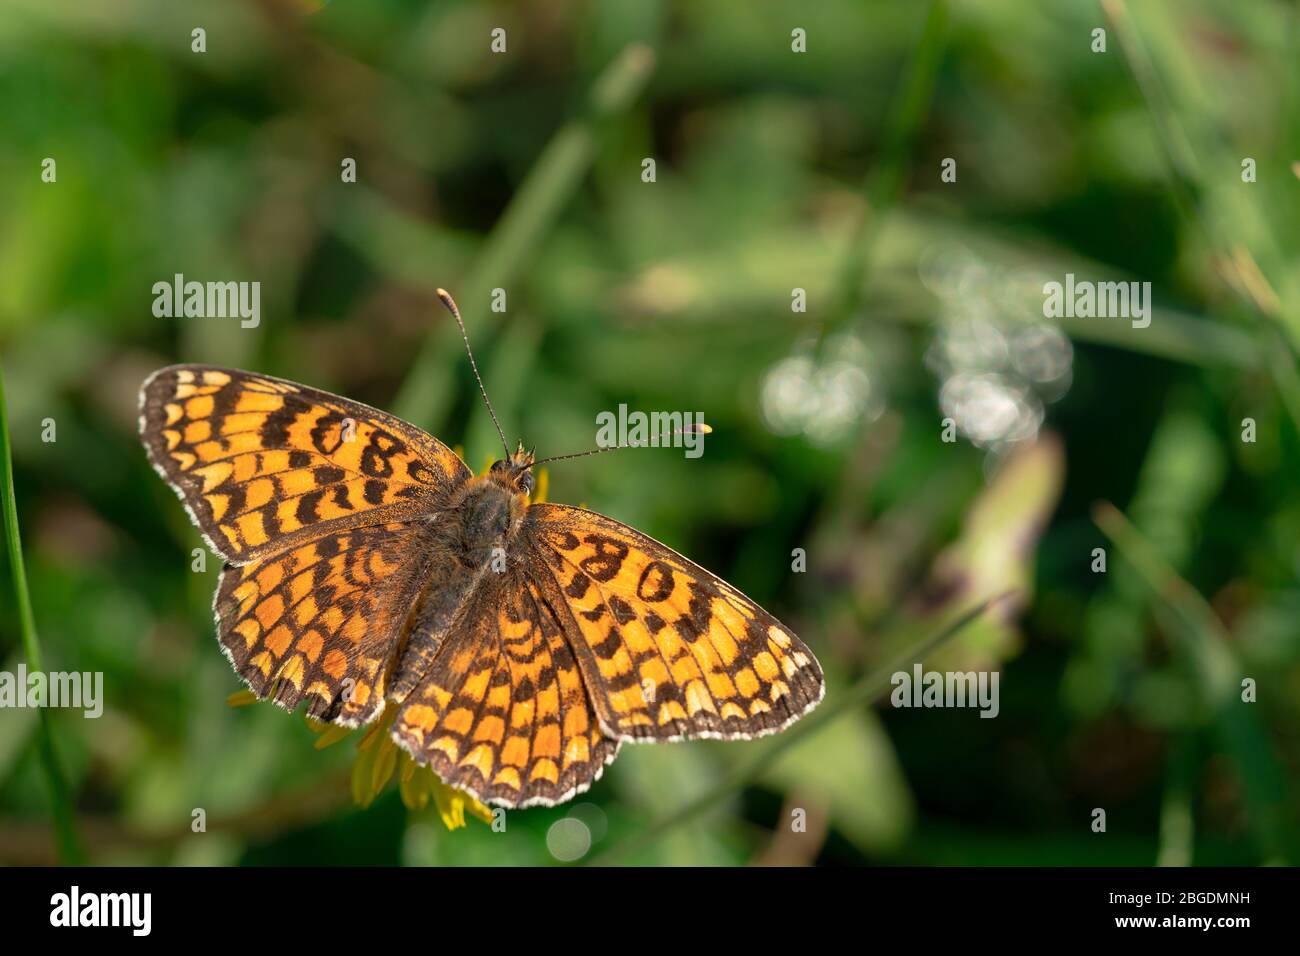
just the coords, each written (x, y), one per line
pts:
(425, 394)
(1177, 824)
(1181, 169)
(64, 824)
(883, 185)
(1190, 621)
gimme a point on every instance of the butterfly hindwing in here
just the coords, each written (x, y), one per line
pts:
(667, 650)
(503, 712)
(263, 464)
(322, 620)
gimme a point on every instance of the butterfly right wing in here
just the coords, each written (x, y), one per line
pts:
(668, 650)
(262, 464)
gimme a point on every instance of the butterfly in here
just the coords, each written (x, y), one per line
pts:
(522, 643)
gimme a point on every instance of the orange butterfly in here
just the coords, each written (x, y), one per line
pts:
(523, 642)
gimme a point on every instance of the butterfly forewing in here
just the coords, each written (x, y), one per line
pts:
(667, 649)
(262, 463)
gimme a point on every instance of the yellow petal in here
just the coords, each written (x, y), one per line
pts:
(451, 805)
(331, 735)
(414, 796)
(413, 785)
(363, 777)
(482, 811)
(385, 764)
(371, 735)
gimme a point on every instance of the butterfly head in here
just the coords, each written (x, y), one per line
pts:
(516, 471)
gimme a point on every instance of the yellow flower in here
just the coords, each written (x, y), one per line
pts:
(379, 758)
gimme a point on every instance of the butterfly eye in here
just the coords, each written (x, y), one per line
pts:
(525, 482)
(497, 465)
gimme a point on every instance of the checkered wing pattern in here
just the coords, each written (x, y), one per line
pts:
(666, 649)
(504, 712)
(322, 621)
(591, 635)
(263, 464)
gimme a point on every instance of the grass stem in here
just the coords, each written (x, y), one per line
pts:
(61, 804)
(426, 393)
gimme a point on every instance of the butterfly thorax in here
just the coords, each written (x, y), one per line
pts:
(460, 545)
(482, 517)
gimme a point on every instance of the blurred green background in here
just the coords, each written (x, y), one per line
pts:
(774, 171)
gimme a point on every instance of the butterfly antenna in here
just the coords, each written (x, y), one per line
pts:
(700, 429)
(580, 454)
(450, 303)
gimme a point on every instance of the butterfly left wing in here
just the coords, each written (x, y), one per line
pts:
(503, 712)
(263, 464)
(667, 650)
(324, 620)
